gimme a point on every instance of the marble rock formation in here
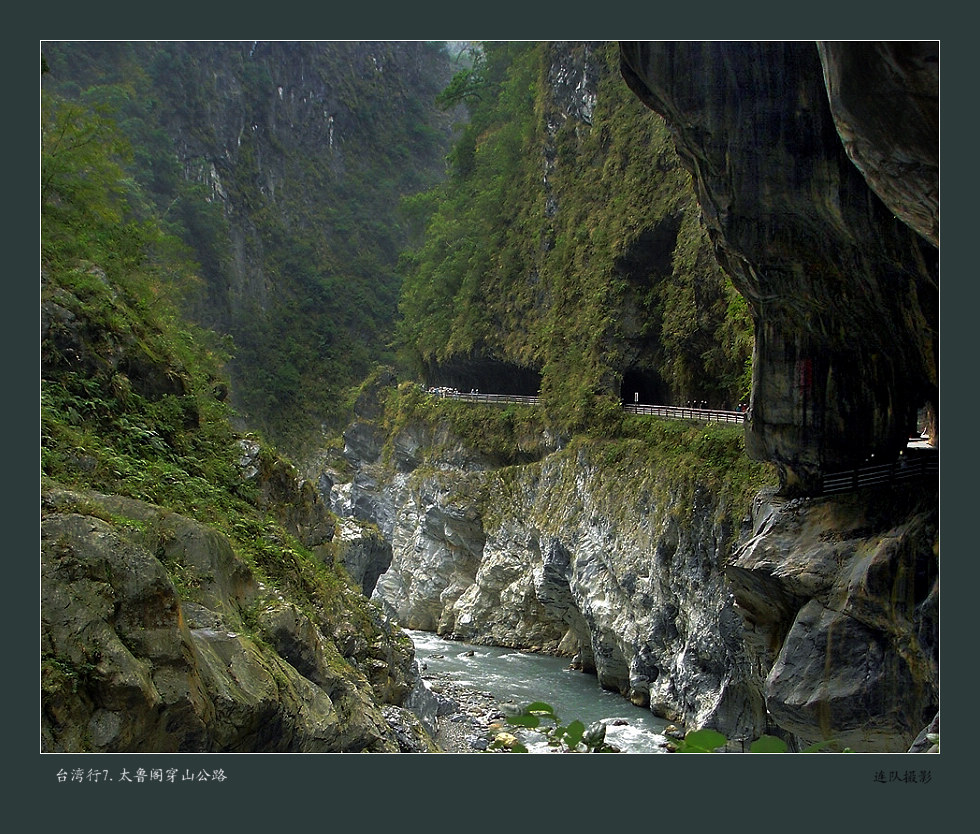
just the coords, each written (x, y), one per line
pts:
(822, 208)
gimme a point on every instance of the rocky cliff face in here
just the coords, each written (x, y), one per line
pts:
(814, 619)
(615, 566)
(281, 165)
(844, 292)
(157, 637)
(840, 601)
(817, 168)
(885, 101)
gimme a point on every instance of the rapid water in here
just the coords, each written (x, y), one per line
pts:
(519, 678)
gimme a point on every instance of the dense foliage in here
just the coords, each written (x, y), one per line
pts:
(281, 166)
(128, 389)
(133, 398)
(594, 273)
(684, 456)
(298, 174)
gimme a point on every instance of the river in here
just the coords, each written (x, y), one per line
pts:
(520, 678)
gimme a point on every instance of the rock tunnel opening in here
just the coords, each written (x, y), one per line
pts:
(651, 254)
(643, 386)
(488, 376)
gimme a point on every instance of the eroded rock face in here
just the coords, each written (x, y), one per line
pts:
(812, 619)
(554, 556)
(844, 292)
(892, 136)
(156, 637)
(841, 606)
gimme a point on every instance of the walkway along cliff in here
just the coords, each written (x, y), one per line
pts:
(811, 617)
(199, 595)
(817, 168)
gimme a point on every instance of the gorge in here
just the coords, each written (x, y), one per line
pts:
(727, 222)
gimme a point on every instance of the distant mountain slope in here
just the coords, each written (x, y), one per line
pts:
(281, 165)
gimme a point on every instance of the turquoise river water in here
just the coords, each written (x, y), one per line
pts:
(519, 678)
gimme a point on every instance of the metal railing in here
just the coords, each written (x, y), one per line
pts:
(475, 397)
(715, 415)
(671, 412)
(905, 468)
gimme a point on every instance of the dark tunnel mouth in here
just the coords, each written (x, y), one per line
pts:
(643, 386)
(484, 375)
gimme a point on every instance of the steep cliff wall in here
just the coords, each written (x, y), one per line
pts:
(844, 293)
(566, 252)
(840, 599)
(191, 597)
(281, 164)
(817, 169)
(157, 636)
(885, 101)
(609, 552)
(815, 619)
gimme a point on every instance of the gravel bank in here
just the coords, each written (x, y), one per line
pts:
(465, 728)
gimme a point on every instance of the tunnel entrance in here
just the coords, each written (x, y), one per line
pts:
(643, 386)
(488, 376)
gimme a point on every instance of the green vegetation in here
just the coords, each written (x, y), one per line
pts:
(600, 267)
(710, 741)
(649, 452)
(128, 389)
(540, 717)
(132, 396)
(503, 435)
(575, 737)
(280, 166)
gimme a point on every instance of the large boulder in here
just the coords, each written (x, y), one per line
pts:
(840, 602)
(157, 637)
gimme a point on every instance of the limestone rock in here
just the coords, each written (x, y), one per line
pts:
(363, 551)
(411, 735)
(294, 501)
(844, 293)
(556, 559)
(704, 614)
(147, 647)
(840, 602)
